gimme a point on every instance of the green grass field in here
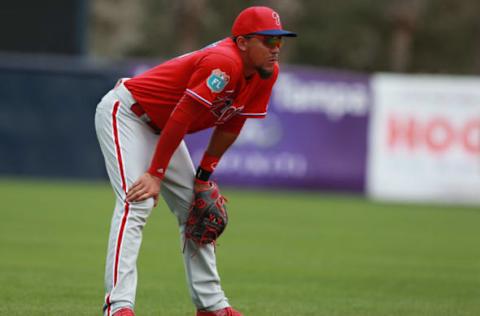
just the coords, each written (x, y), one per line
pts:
(283, 254)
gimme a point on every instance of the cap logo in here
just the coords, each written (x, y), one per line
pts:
(217, 80)
(276, 17)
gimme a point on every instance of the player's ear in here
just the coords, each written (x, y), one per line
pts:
(242, 43)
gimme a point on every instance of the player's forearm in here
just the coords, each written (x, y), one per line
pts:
(220, 141)
(225, 135)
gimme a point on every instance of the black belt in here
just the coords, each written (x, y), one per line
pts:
(140, 112)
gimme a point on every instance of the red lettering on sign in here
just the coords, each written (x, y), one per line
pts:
(437, 134)
(401, 132)
(471, 136)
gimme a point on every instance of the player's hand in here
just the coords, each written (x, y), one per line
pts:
(147, 186)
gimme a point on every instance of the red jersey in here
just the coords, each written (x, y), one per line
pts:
(213, 76)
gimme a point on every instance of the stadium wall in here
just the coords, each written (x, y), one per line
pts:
(47, 109)
(393, 137)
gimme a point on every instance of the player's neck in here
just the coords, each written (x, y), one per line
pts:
(249, 73)
(248, 69)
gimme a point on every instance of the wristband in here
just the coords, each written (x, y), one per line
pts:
(202, 175)
(209, 162)
(207, 166)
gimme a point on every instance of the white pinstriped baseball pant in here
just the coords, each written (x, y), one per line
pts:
(127, 144)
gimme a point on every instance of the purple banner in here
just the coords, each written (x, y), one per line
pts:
(314, 135)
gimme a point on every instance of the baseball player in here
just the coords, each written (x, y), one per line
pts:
(140, 126)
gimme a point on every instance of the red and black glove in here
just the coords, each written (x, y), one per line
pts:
(208, 216)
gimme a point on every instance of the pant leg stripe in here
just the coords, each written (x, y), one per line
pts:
(109, 308)
(127, 206)
(117, 145)
(119, 243)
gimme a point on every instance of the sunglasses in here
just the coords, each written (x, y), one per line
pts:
(269, 41)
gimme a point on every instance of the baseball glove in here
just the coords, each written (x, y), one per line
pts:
(208, 216)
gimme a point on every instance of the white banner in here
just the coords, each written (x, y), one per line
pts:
(424, 139)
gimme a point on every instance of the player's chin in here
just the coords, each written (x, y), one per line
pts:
(266, 71)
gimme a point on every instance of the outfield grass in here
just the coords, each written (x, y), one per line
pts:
(283, 254)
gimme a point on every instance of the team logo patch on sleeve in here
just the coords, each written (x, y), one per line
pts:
(217, 80)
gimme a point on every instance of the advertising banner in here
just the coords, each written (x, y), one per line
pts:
(424, 139)
(314, 135)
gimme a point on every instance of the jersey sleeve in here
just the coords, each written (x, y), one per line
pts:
(257, 101)
(186, 111)
(213, 74)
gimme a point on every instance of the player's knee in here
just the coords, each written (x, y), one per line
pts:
(143, 206)
(181, 209)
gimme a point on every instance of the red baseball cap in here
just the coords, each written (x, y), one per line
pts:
(259, 20)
